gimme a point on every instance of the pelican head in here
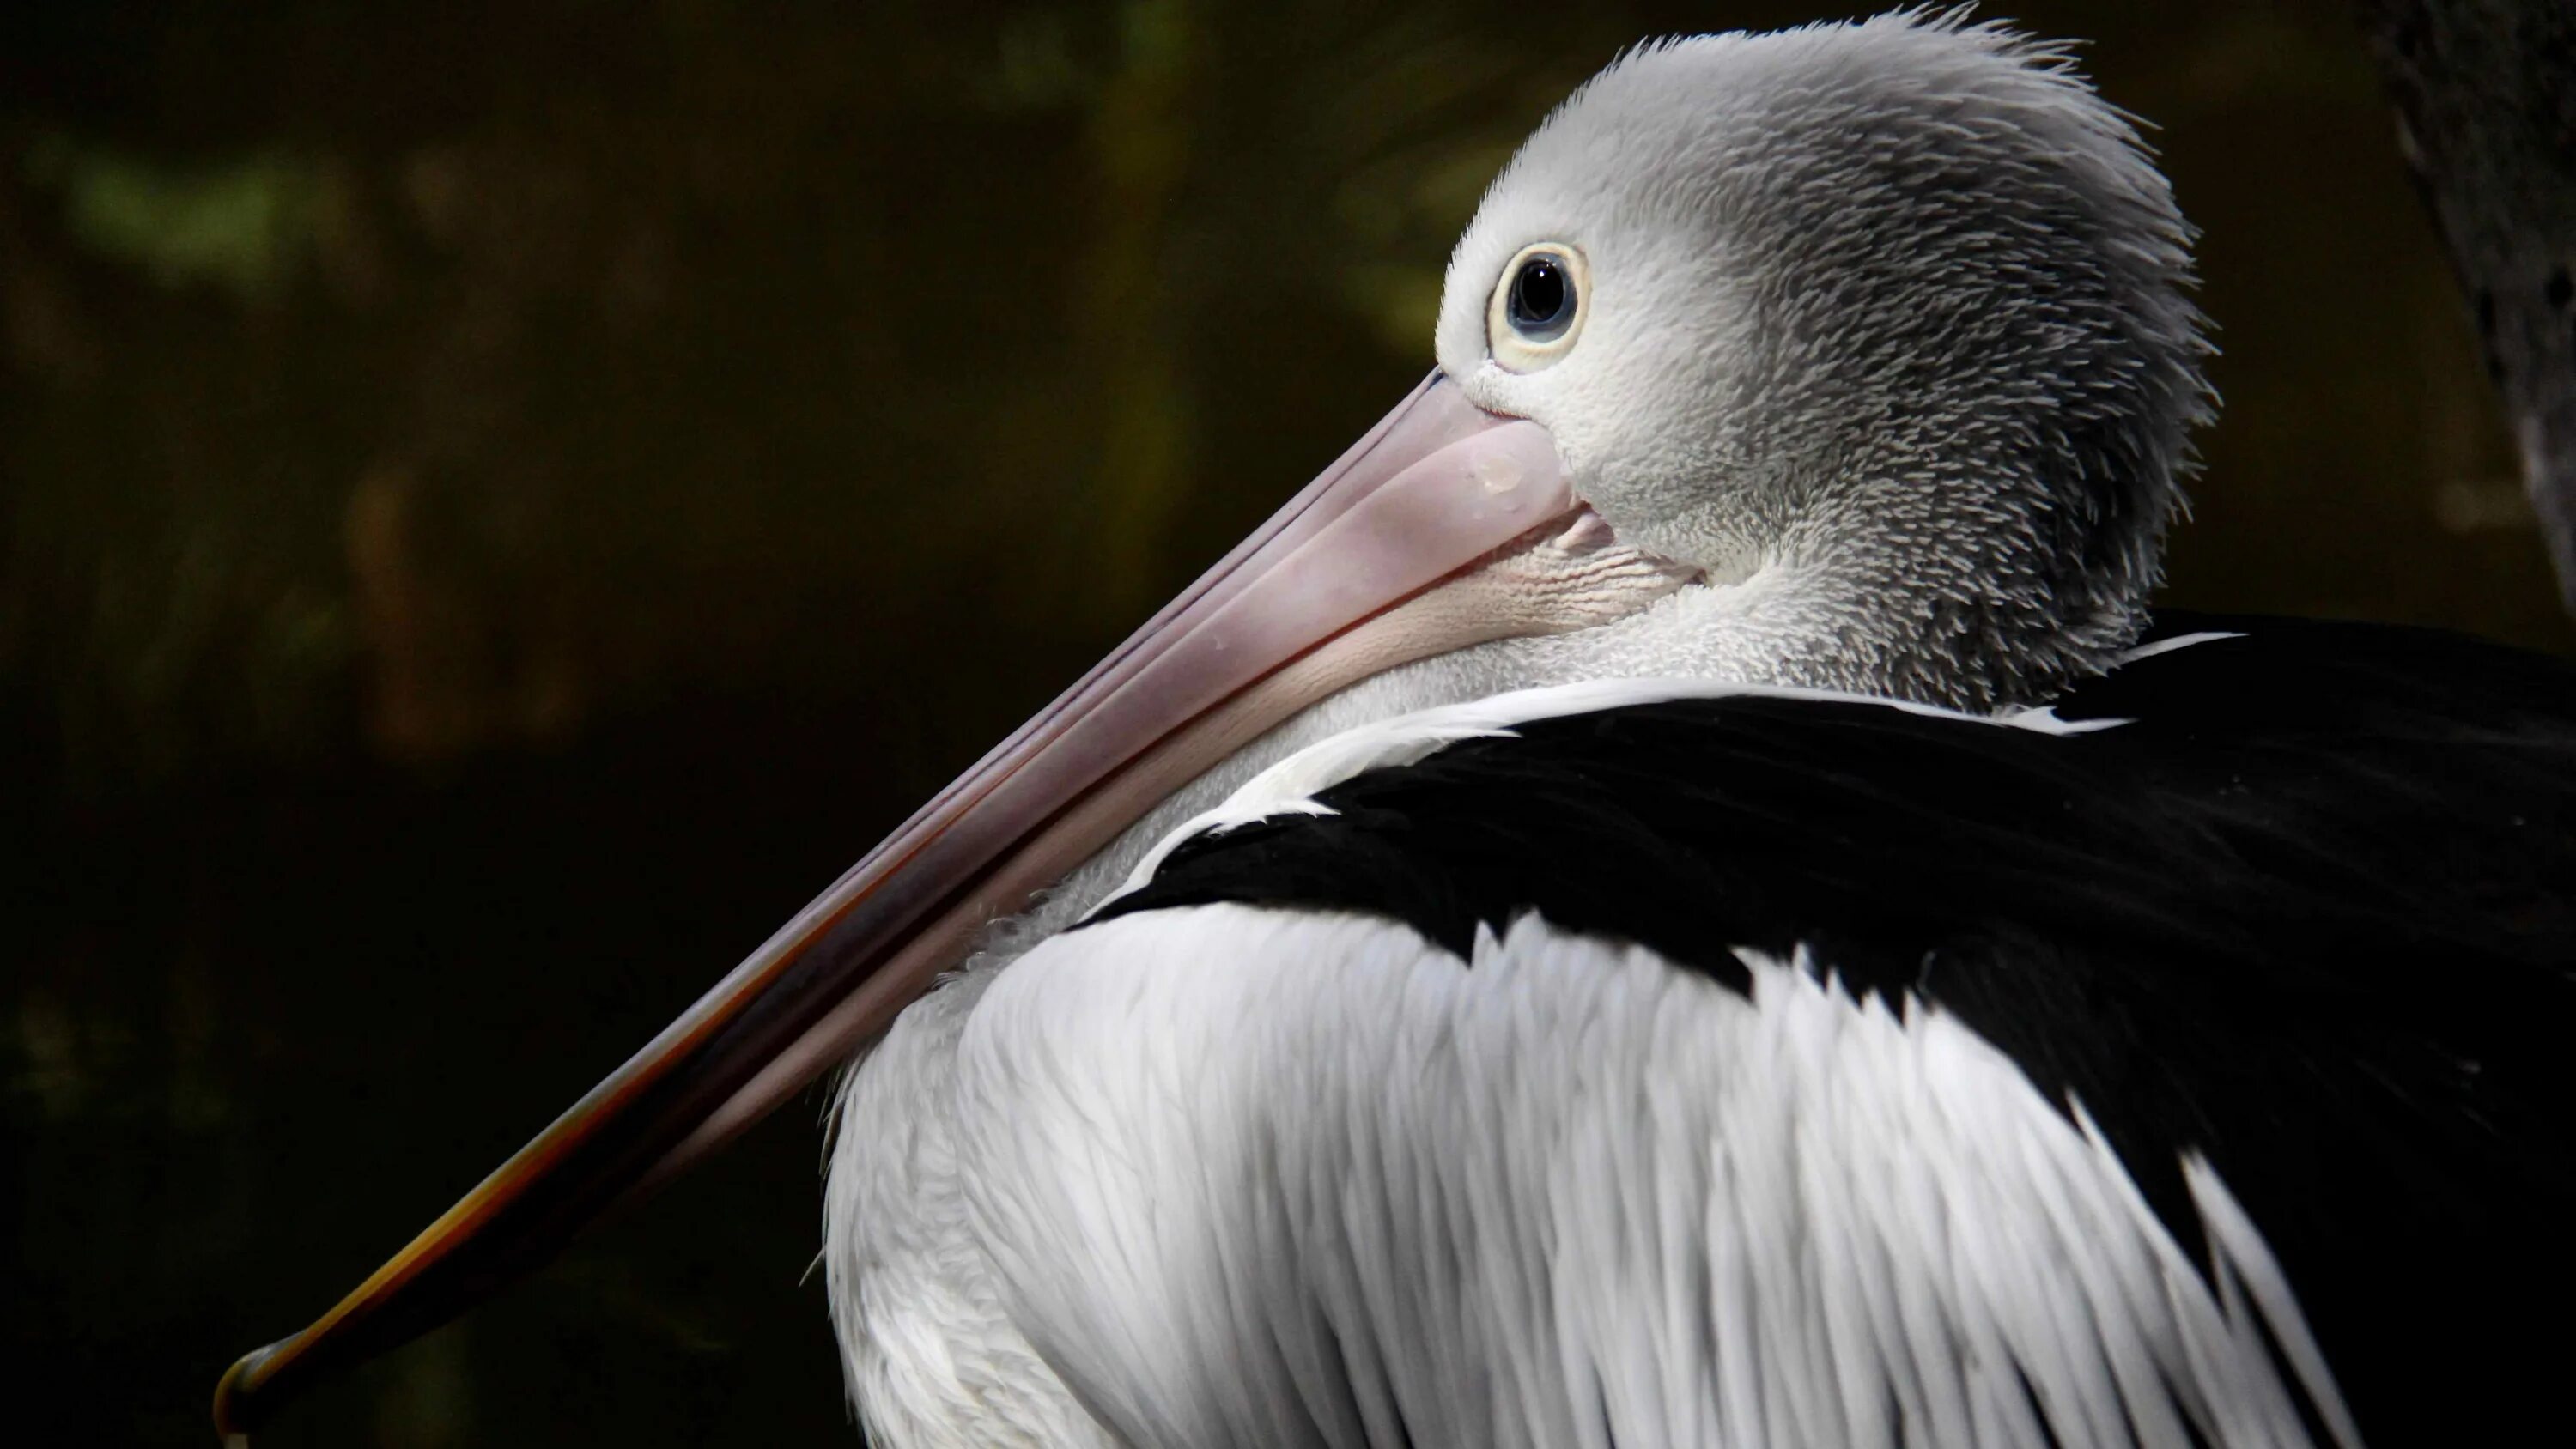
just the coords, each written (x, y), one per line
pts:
(1883, 325)
(1855, 356)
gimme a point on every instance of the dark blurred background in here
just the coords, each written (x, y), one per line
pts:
(499, 503)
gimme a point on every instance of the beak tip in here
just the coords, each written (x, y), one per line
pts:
(234, 1396)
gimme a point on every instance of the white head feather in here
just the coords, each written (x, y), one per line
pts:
(1897, 306)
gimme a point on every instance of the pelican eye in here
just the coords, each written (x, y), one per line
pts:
(1538, 306)
(1542, 304)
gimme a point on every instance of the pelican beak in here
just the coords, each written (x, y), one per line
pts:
(1443, 526)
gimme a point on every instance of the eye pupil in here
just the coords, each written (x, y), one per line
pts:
(1542, 299)
(1537, 306)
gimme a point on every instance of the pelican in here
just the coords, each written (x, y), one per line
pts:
(1677, 896)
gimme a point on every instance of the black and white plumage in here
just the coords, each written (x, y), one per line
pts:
(1662, 901)
(2293, 903)
(1657, 1062)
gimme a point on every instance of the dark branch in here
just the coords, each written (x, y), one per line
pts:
(2486, 103)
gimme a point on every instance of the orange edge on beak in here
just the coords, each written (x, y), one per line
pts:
(1430, 492)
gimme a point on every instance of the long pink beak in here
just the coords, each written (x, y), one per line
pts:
(1309, 603)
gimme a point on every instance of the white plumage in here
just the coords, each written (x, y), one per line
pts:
(1254, 1177)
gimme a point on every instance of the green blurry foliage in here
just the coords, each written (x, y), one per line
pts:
(241, 224)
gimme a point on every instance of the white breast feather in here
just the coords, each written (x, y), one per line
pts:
(1252, 1177)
